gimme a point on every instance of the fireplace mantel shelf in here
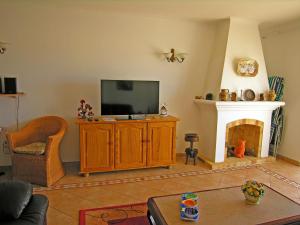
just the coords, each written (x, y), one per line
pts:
(241, 105)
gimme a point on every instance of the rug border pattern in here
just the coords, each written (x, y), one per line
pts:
(83, 211)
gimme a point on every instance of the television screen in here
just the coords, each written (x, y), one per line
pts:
(128, 97)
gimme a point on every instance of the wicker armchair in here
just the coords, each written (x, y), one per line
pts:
(44, 169)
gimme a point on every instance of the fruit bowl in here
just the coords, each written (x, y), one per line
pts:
(253, 191)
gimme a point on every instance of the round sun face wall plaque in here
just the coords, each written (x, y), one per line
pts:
(247, 67)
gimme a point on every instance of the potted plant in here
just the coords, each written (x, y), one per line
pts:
(253, 191)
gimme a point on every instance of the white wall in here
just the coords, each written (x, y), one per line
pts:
(60, 54)
(282, 51)
(235, 38)
(244, 42)
(215, 67)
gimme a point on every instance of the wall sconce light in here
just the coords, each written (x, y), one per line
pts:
(2, 47)
(173, 56)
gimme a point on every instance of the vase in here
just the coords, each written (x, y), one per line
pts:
(209, 96)
(233, 96)
(271, 95)
(253, 200)
(163, 111)
(224, 94)
(261, 97)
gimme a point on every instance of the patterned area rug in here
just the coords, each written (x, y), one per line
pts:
(135, 214)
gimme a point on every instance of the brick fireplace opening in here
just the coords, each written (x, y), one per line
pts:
(249, 130)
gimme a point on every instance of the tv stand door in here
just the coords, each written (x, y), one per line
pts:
(96, 147)
(130, 145)
(161, 144)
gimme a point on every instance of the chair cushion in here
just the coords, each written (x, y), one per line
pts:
(15, 196)
(36, 148)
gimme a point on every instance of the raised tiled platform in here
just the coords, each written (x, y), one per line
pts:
(236, 162)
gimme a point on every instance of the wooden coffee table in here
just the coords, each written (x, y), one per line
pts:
(227, 206)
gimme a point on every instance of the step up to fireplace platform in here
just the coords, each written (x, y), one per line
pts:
(235, 162)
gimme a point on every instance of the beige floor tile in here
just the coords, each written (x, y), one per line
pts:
(71, 208)
(288, 170)
(57, 196)
(66, 203)
(56, 217)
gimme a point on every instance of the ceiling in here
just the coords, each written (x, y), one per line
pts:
(266, 12)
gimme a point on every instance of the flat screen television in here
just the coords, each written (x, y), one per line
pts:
(129, 97)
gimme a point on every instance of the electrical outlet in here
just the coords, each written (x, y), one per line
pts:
(5, 147)
(2, 130)
(3, 142)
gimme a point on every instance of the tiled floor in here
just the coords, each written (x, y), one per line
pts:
(125, 187)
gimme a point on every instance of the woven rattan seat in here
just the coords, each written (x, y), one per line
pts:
(44, 169)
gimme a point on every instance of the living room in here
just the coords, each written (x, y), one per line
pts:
(59, 51)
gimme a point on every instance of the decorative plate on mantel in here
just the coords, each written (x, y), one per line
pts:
(249, 95)
(247, 67)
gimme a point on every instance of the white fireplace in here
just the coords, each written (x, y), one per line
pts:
(234, 39)
(217, 115)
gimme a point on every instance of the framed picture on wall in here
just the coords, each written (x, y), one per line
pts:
(247, 67)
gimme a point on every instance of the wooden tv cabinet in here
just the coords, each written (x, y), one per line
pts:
(127, 144)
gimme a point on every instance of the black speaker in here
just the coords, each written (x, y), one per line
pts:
(10, 85)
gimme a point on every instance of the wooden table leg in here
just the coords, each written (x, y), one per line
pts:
(86, 174)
